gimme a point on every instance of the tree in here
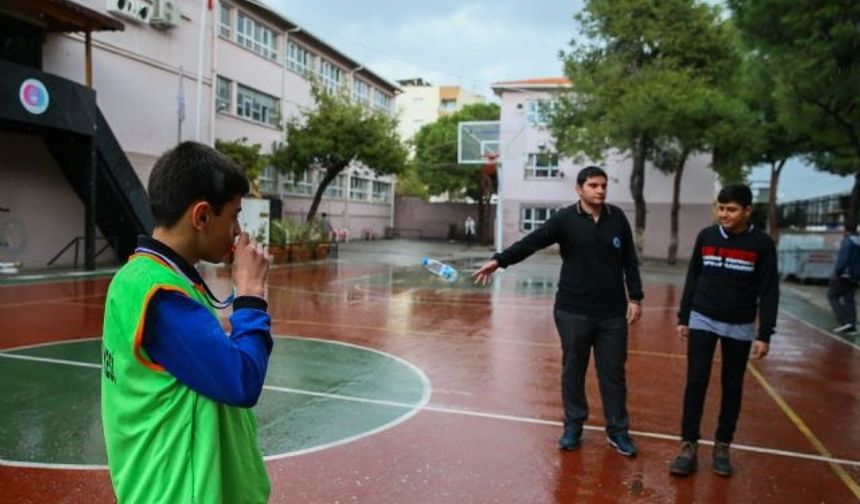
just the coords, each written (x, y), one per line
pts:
(435, 163)
(336, 133)
(649, 71)
(248, 157)
(815, 51)
(776, 141)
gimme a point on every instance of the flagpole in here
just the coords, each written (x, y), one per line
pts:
(204, 6)
(180, 106)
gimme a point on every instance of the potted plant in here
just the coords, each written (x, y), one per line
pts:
(278, 242)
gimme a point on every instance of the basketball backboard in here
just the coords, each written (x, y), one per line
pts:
(476, 141)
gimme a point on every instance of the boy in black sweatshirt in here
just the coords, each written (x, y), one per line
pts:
(732, 275)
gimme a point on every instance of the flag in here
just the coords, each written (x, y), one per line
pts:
(180, 97)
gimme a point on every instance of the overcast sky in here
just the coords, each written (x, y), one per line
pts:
(473, 44)
(454, 42)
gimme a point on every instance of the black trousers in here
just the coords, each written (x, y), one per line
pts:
(608, 336)
(840, 293)
(700, 356)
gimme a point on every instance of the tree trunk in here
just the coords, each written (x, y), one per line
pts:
(637, 190)
(331, 173)
(672, 256)
(772, 220)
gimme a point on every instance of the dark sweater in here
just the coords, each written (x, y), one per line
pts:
(731, 277)
(597, 259)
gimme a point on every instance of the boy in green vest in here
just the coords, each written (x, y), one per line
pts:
(176, 390)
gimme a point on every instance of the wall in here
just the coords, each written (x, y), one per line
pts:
(416, 218)
(45, 213)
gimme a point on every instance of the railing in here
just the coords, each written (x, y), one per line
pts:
(76, 242)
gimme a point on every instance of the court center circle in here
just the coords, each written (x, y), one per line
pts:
(318, 394)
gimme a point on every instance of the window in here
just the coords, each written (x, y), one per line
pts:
(537, 112)
(335, 189)
(256, 37)
(269, 180)
(361, 92)
(448, 105)
(542, 165)
(381, 101)
(381, 191)
(299, 59)
(301, 184)
(330, 76)
(358, 188)
(223, 95)
(532, 218)
(257, 106)
(224, 21)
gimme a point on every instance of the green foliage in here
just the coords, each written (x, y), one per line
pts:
(294, 231)
(336, 133)
(247, 156)
(277, 233)
(409, 183)
(652, 69)
(435, 161)
(813, 49)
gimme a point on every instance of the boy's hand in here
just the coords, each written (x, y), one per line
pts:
(760, 349)
(250, 267)
(634, 312)
(485, 272)
(682, 331)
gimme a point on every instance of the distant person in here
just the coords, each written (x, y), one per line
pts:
(327, 227)
(843, 283)
(176, 391)
(592, 306)
(732, 277)
(469, 227)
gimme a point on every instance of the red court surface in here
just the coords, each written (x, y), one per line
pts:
(489, 430)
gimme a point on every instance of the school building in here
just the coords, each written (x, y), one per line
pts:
(93, 91)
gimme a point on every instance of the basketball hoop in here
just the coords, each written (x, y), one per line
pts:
(490, 161)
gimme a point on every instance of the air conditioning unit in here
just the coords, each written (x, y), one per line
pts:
(136, 11)
(165, 14)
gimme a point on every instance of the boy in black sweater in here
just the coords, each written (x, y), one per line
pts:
(732, 275)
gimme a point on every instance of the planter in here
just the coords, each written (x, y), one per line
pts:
(280, 254)
(322, 250)
(300, 252)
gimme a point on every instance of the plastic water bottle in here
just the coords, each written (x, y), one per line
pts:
(440, 269)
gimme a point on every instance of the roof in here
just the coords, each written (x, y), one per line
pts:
(60, 16)
(294, 28)
(529, 84)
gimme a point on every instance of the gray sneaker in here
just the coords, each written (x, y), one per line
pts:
(685, 463)
(722, 465)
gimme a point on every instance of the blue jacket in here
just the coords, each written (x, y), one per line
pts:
(848, 260)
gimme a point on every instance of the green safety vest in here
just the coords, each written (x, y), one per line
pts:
(166, 442)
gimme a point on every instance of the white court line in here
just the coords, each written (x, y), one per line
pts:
(438, 409)
(822, 331)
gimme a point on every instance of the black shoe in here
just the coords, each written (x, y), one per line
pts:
(622, 444)
(570, 439)
(722, 465)
(685, 463)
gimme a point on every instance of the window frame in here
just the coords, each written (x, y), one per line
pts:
(271, 119)
(532, 222)
(253, 35)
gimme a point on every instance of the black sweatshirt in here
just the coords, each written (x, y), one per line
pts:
(597, 258)
(732, 276)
